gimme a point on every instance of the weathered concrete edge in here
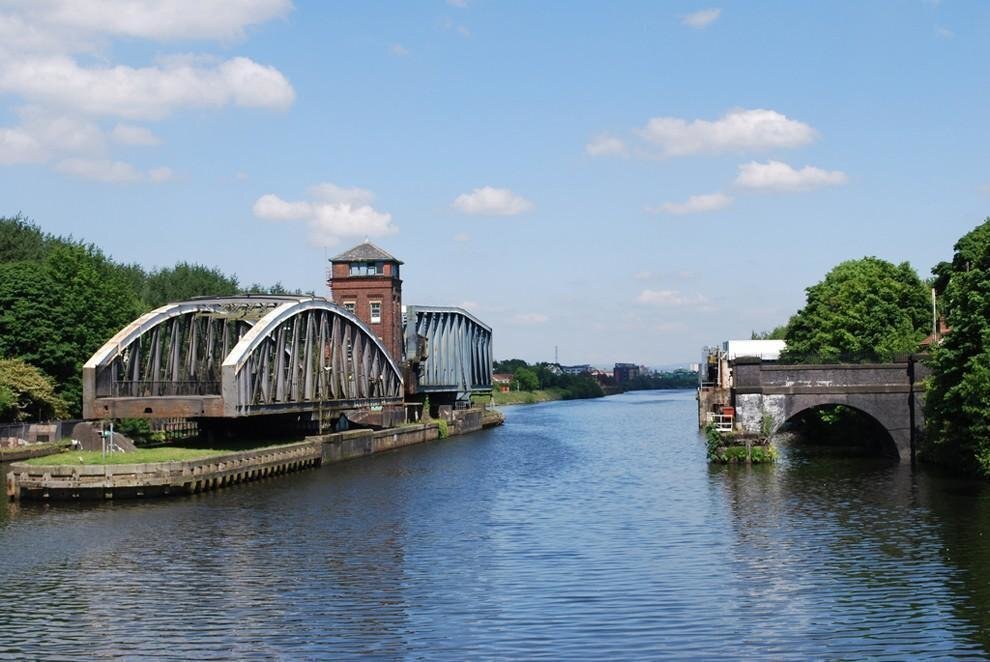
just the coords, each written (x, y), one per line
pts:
(46, 482)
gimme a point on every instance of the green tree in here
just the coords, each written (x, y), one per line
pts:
(527, 379)
(56, 312)
(184, 281)
(21, 240)
(959, 387)
(867, 309)
(26, 393)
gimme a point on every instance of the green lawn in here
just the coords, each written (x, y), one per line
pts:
(140, 456)
(526, 397)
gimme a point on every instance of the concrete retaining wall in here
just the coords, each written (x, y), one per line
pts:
(27, 481)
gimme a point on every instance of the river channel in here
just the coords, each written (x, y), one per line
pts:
(583, 529)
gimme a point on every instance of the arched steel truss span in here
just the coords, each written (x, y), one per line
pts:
(240, 356)
(449, 350)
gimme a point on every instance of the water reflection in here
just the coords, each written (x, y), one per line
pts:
(579, 530)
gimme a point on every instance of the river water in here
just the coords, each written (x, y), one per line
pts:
(583, 529)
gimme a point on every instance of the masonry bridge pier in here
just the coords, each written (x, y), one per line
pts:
(770, 394)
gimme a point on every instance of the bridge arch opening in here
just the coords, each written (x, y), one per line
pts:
(838, 429)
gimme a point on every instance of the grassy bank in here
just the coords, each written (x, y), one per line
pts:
(140, 456)
(528, 397)
(190, 450)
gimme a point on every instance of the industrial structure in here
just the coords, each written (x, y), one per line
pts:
(349, 359)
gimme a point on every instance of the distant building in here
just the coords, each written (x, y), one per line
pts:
(601, 376)
(625, 372)
(365, 280)
(575, 369)
(502, 381)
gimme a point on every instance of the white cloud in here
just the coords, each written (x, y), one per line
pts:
(531, 318)
(943, 32)
(489, 201)
(398, 50)
(100, 170)
(460, 4)
(273, 208)
(462, 236)
(737, 130)
(161, 174)
(329, 221)
(606, 145)
(329, 192)
(39, 44)
(241, 176)
(19, 146)
(701, 19)
(778, 176)
(126, 134)
(696, 204)
(153, 19)
(670, 298)
(41, 135)
(146, 92)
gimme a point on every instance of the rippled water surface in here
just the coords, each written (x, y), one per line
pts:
(583, 529)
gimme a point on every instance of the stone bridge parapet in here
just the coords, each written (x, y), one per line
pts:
(766, 395)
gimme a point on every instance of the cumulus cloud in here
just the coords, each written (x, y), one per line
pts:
(701, 19)
(19, 146)
(110, 172)
(330, 192)
(398, 50)
(778, 176)
(337, 213)
(531, 318)
(153, 19)
(158, 175)
(696, 204)
(41, 135)
(737, 130)
(670, 298)
(126, 134)
(145, 92)
(606, 145)
(64, 96)
(489, 201)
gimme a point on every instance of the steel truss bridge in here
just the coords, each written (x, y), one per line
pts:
(229, 357)
(449, 353)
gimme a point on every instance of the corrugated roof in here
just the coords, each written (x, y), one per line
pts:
(365, 251)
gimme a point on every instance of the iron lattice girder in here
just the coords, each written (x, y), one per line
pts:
(256, 354)
(458, 351)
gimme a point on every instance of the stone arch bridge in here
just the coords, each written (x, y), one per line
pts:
(890, 393)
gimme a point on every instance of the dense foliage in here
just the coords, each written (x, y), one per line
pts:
(526, 377)
(60, 299)
(26, 393)
(959, 388)
(864, 310)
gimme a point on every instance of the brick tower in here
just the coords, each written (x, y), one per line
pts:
(365, 280)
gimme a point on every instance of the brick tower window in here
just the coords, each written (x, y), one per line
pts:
(376, 312)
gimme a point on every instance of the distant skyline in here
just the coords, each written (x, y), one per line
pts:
(626, 182)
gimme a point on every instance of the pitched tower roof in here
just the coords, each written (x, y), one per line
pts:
(365, 251)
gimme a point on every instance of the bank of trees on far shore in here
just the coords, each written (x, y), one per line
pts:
(61, 299)
(542, 376)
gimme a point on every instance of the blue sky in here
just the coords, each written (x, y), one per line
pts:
(627, 181)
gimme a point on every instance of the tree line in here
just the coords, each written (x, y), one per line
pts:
(62, 298)
(872, 310)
